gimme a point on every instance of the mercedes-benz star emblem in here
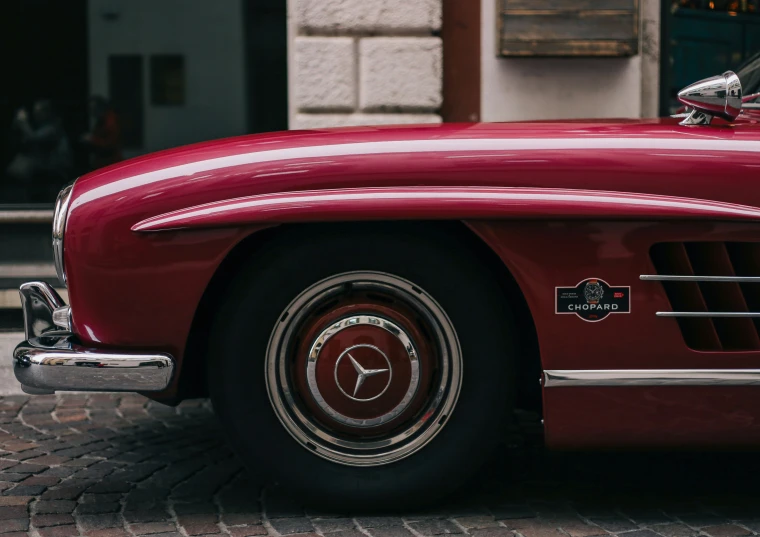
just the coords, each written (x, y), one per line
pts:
(363, 373)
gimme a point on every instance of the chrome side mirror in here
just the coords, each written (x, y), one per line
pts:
(719, 96)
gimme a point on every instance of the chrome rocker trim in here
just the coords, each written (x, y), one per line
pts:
(651, 377)
(51, 359)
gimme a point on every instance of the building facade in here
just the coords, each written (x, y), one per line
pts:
(354, 62)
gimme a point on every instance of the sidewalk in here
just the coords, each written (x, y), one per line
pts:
(8, 383)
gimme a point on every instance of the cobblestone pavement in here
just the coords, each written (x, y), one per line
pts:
(112, 466)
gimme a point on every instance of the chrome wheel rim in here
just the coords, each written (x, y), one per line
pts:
(363, 368)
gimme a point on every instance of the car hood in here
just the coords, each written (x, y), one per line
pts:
(719, 162)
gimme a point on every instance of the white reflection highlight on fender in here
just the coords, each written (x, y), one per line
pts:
(454, 146)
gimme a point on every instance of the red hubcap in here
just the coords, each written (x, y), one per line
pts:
(364, 367)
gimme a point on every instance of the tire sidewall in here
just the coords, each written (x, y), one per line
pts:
(440, 263)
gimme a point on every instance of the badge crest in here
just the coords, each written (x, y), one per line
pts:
(592, 300)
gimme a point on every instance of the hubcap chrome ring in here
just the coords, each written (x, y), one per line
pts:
(377, 450)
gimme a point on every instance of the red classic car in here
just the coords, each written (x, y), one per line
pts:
(367, 307)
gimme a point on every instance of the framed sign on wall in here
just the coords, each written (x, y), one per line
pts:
(568, 27)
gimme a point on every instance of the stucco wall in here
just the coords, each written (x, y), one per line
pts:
(359, 62)
(563, 88)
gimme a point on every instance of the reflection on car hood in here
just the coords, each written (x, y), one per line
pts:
(655, 156)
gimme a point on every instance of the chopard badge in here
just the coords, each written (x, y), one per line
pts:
(592, 300)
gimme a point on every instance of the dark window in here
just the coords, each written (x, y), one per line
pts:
(125, 88)
(167, 80)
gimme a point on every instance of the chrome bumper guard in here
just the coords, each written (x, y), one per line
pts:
(51, 359)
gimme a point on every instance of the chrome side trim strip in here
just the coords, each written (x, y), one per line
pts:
(668, 278)
(743, 314)
(651, 377)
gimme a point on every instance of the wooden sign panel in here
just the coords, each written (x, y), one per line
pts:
(568, 27)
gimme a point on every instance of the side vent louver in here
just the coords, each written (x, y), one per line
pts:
(714, 292)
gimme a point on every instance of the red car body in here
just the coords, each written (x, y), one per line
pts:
(558, 203)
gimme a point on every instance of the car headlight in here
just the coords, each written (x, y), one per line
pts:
(59, 227)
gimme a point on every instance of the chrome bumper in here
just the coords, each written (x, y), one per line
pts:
(51, 359)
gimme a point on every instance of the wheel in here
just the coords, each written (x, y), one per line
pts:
(364, 367)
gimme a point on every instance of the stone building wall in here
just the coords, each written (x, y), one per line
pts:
(361, 62)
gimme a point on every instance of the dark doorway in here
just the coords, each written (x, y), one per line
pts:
(266, 38)
(44, 56)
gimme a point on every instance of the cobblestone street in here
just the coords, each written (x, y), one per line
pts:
(112, 466)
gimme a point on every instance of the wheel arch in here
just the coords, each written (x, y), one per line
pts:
(192, 382)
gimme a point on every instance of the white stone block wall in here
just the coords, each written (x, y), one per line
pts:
(364, 62)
